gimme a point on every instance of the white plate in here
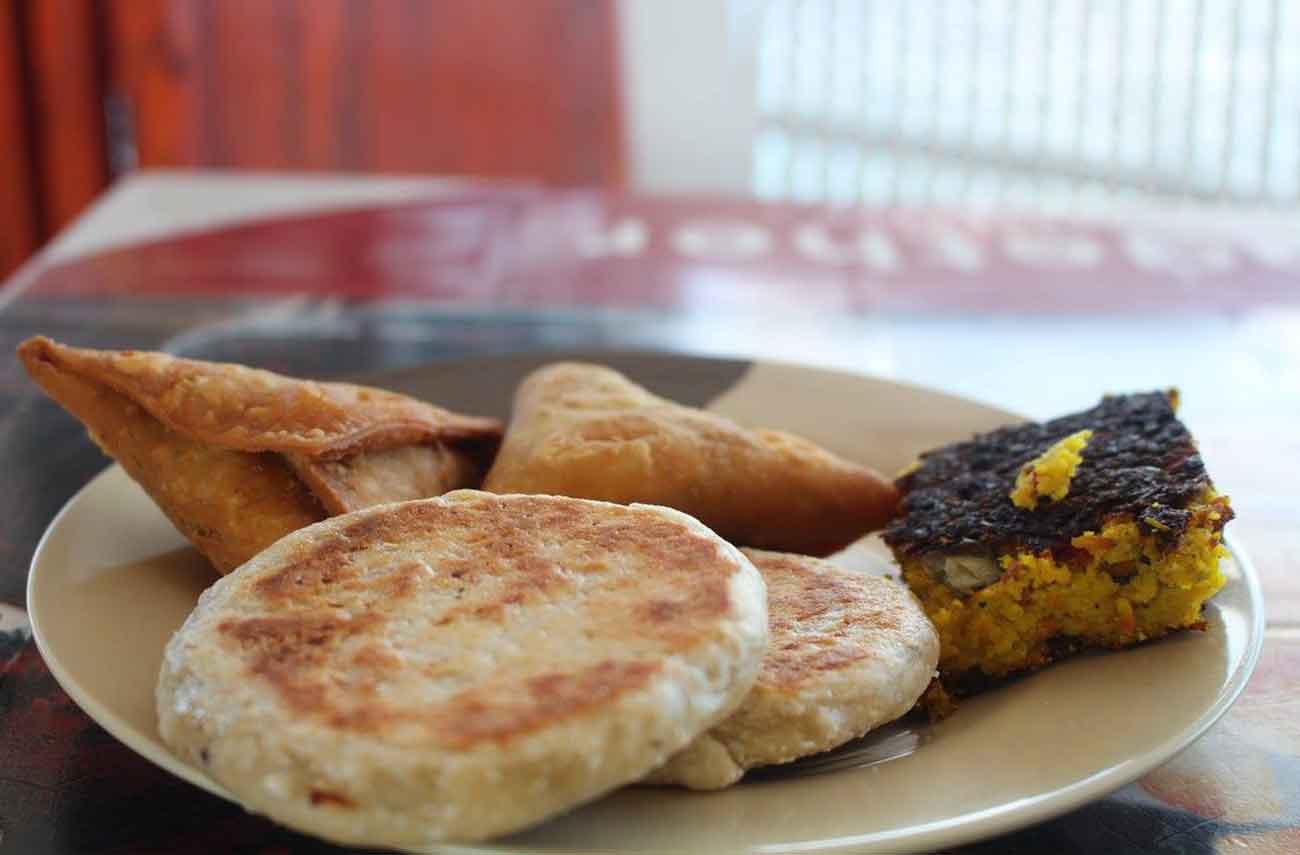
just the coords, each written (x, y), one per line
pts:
(111, 580)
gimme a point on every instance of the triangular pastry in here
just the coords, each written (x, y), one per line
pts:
(587, 431)
(238, 457)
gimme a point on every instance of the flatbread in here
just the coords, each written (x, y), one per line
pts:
(849, 652)
(237, 457)
(587, 431)
(460, 667)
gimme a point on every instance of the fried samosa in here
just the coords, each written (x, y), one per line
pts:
(587, 431)
(237, 457)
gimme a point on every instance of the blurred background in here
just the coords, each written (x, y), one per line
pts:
(1056, 106)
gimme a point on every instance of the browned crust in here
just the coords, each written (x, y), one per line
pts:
(326, 659)
(819, 615)
(247, 409)
(229, 504)
(1141, 464)
(587, 431)
(200, 436)
(500, 713)
(330, 797)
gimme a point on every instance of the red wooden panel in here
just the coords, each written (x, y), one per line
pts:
(496, 88)
(399, 118)
(250, 63)
(153, 61)
(67, 98)
(19, 222)
(331, 41)
(485, 87)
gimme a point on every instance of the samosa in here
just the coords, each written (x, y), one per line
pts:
(587, 431)
(238, 457)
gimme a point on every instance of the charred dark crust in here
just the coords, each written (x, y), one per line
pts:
(1141, 463)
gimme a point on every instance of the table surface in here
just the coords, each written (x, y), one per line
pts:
(1210, 304)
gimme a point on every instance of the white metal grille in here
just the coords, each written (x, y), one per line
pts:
(1032, 103)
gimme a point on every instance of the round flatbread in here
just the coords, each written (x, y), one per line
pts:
(849, 652)
(460, 667)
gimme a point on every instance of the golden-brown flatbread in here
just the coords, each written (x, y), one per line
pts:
(460, 667)
(237, 457)
(587, 431)
(849, 652)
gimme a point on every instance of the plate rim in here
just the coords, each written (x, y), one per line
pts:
(93, 708)
(954, 830)
(1012, 816)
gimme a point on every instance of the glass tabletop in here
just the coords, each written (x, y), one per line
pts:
(1031, 344)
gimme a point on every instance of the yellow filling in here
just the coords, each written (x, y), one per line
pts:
(1048, 475)
(1122, 589)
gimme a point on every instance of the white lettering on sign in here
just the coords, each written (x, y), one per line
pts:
(1181, 258)
(626, 238)
(1044, 250)
(721, 240)
(871, 249)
